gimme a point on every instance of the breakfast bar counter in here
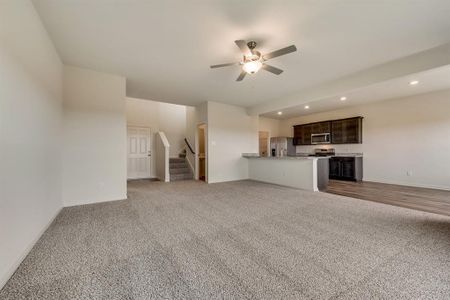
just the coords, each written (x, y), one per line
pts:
(302, 172)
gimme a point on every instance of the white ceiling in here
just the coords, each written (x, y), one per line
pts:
(164, 48)
(432, 80)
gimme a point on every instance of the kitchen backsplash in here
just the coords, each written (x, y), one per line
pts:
(345, 148)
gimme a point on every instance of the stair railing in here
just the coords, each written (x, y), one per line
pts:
(190, 158)
(189, 145)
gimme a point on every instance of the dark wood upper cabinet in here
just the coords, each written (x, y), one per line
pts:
(302, 134)
(321, 127)
(344, 131)
(298, 135)
(306, 134)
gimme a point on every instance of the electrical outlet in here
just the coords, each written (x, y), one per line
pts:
(409, 173)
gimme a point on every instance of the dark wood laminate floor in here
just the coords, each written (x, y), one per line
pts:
(430, 200)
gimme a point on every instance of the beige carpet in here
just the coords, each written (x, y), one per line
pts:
(238, 240)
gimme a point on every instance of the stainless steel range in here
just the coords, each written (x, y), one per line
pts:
(324, 152)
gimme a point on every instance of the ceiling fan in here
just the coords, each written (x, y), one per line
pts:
(253, 60)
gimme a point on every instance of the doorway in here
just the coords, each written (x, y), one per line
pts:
(263, 143)
(139, 153)
(202, 157)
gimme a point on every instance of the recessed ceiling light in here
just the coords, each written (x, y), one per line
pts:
(280, 113)
(306, 106)
(343, 98)
(414, 82)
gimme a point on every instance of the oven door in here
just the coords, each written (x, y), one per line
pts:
(320, 138)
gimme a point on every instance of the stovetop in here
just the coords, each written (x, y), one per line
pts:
(324, 152)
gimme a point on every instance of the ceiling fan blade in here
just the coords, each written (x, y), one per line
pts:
(280, 52)
(243, 46)
(272, 69)
(241, 76)
(223, 65)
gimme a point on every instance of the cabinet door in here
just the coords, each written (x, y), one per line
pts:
(335, 167)
(298, 135)
(337, 132)
(321, 127)
(306, 134)
(348, 168)
(352, 128)
(316, 128)
(325, 127)
(347, 131)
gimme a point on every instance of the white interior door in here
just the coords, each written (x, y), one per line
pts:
(139, 152)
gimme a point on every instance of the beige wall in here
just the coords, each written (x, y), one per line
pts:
(142, 112)
(270, 125)
(165, 117)
(30, 132)
(231, 132)
(402, 135)
(94, 137)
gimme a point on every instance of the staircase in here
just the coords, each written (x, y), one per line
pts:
(179, 169)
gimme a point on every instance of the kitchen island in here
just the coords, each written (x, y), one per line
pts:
(302, 172)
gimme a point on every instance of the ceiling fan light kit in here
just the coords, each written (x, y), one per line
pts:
(253, 61)
(253, 66)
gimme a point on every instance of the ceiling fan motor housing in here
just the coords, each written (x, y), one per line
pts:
(251, 45)
(256, 55)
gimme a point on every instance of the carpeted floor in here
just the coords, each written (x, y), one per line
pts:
(238, 240)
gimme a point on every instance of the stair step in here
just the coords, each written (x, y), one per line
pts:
(177, 177)
(176, 160)
(180, 171)
(178, 165)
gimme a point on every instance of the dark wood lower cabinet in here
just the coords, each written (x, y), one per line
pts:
(346, 168)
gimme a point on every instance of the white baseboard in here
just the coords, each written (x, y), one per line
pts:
(141, 178)
(4, 279)
(124, 197)
(229, 180)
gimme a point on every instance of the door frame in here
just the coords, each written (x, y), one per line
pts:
(197, 150)
(267, 146)
(152, 149)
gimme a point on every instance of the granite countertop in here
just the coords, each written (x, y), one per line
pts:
(337, 154)
(256, 155)
(302, 156)
(349, 154)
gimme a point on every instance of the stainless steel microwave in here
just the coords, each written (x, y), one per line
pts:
(320, 138)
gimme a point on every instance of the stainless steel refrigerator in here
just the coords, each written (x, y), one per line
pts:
(282, 146)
